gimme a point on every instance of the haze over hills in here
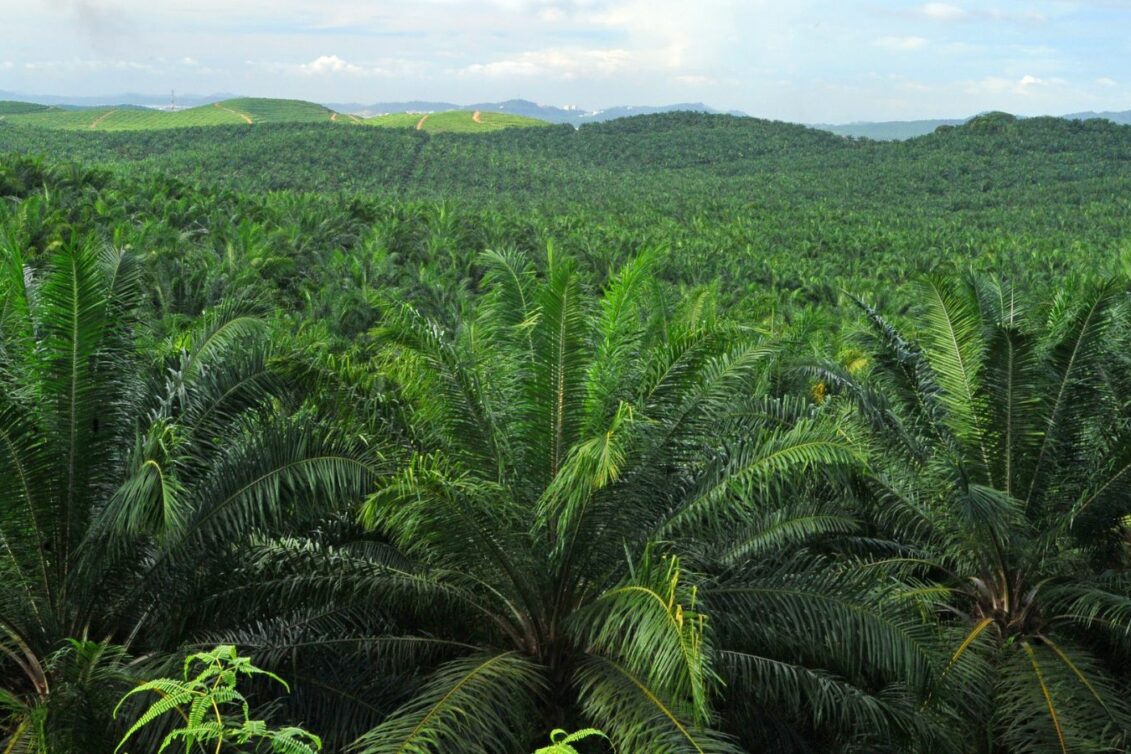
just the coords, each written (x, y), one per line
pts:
(128, 98)
(550, 113)
(247, 111)
(894, 130)
(1123, 118)
(909, 129)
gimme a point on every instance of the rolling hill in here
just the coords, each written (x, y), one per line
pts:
(574, 116)
(245, 111)
(455, 121)
(898, 130)
(133, 118)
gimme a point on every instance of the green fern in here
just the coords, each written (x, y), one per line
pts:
(562, 742)
(204, 702)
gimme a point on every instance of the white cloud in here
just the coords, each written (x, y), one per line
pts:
(562, 63)
(1027, 82)
(1107, 81)
(901, 43)
(330, 64)
(335, 66)
(1026, 85)
(943, 12)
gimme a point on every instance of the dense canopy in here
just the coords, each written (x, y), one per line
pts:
(714, 434)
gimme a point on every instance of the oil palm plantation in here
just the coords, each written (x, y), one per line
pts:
(601, 516)
(129, 483)
(1003, 472)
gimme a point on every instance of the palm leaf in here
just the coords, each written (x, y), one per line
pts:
(639, 718)
(471, 704)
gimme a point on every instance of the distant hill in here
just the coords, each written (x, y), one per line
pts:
(909, 129)
(455, 121)
(994, 160)
(247, 111)
(549, 113)
(1123, 118)
(128, 117)
(129, 98)
(9, 107)
(888, 130)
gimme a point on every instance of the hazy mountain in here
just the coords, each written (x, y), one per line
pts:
(1123, 118)
(130, 98)
(551, 113)
(892, 130)
(909, 129)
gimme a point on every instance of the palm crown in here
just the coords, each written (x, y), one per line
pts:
(602, 516)
(128, 488)
(1003, 462)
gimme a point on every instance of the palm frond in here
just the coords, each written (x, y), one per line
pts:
(650, 627)
(639, 718)
(479, 702)
(554, 389)
(1077, 334)
(954, 345)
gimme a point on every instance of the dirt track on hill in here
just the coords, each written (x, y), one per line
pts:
(477, 116)
(101, 118)
(420, 123)
(247, 118)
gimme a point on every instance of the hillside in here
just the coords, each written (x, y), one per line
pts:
(909, 129)
(572, 115)
(454, 121)
(133, 118)
(9, 107)
(245, 111)
(716, 191)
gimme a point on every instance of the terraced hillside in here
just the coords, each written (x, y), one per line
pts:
(247, 110)
(455, 121)
(8, 107)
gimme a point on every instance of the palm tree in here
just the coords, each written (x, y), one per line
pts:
(131, 481)
(1003, 470)
(601, 517)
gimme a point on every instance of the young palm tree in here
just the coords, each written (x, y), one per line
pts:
(1003, 467)
(600, 518)
(128, 487)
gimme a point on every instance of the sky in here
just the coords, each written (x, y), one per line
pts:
(799, 60)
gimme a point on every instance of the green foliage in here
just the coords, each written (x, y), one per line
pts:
(133, 474)
(454, 121)
(473, 436)
(246, 111)
(204, 703)
(562, 742)
(1004, 479)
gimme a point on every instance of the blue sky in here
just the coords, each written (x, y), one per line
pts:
(800, 60)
